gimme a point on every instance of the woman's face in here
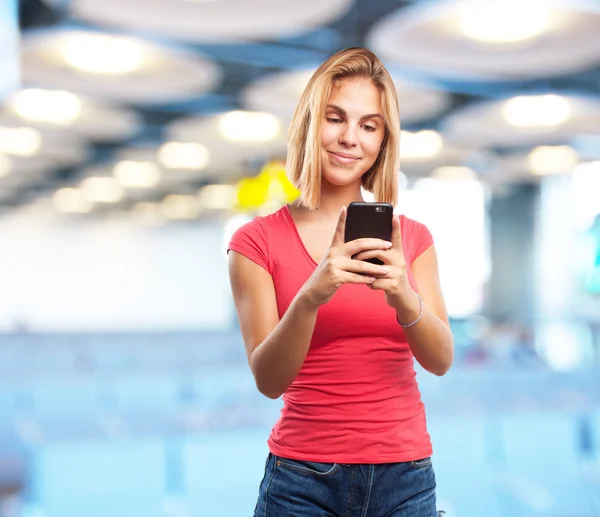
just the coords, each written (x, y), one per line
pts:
(352, 131)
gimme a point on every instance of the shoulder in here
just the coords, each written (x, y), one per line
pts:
(252, 238)
(412, 226)
(263, 224)
(416, 237)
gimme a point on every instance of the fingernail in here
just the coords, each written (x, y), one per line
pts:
(388, 244)
(384, 269)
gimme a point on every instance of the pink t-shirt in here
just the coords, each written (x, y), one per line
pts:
(355, 399)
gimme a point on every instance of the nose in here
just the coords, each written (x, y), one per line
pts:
(348, 135)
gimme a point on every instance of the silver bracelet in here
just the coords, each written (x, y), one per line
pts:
(417, 320)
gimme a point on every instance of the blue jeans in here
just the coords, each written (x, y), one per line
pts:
(293, 488)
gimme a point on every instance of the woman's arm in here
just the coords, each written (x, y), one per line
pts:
(276, 349)
(431, 339)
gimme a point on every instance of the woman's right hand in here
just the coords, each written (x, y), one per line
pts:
(338, 267)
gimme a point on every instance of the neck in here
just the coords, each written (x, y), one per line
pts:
(333, 198)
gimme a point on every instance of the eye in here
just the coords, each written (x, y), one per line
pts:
(369, 128)
(334, 120)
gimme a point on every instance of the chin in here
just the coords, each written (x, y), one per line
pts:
(341, 178)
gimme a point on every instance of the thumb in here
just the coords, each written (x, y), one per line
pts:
(340, 229)
(396, 235)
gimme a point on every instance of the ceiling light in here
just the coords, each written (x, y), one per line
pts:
(508, 21)
(148, 214)
(180, 206)
(70, 200)
(420, 145)
(22, 141)
(248, 126)
(136, 174)
(184, 155)
(102, 190)
(5, 165)
(558, 159)
(536, 111)
(454, 173)
(103, 54)
(218, 197)
(56, 107)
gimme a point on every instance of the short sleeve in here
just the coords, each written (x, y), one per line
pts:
(250, 240)
(423, 239)
(416, 238)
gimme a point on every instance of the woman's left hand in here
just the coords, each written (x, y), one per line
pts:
(398, 292)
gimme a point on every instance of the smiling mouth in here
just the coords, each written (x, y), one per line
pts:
(344, 158)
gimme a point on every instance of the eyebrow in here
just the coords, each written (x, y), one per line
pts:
(364, 117)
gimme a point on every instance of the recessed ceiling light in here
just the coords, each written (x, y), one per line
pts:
(102, 190)
(56, 107)
(103, 54)
(71, 200)
(420, 145)
(180, 206)
(184, 155)
(21, 141)
(5, 165)
(218, 197)
(506, 21)
(559, 159)
(249, 126)
(148, 214)
(453, 173)
(136, 174)
(536, 110)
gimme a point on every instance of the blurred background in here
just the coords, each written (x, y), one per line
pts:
(136, 136)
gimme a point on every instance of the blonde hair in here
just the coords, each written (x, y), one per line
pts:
(304, 137)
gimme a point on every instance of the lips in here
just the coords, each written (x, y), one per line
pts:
(344, 158)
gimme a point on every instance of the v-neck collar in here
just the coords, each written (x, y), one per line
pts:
(288, 214)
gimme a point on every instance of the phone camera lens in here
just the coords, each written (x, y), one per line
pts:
(379, 209)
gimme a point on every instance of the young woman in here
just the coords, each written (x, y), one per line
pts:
(332, 333)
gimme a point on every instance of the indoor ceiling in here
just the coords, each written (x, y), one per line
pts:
(163, 89)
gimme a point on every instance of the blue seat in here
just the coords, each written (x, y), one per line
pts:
(66, 397)
(110, 359)
(148, 393)
(55, 357)
(592, 466)
(463, 461)
(223, 388)
(534, 437)
(222, 471)
(8, 402)
(98, 478)
(595, 433)
(542, 471)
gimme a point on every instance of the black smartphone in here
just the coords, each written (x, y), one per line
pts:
(369, 220)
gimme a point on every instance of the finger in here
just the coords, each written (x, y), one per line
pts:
(396, 235)
(356, 246)
(340, 229)
(381, 284)
(361, 267)
(355, 278)
(383, 255)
